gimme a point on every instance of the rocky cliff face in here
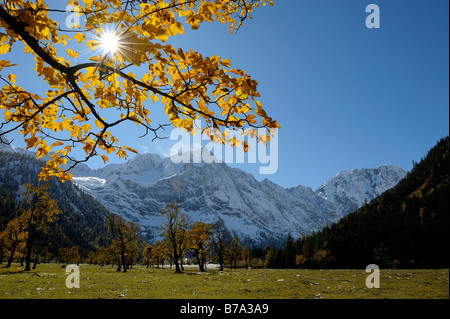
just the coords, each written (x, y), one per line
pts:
(258, 212)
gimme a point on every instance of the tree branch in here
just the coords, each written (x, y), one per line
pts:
(19, 29)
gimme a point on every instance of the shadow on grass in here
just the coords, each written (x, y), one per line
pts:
(11, 271)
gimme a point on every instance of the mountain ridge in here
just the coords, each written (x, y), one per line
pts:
(406, 226)
(258, 212)
(255, 211)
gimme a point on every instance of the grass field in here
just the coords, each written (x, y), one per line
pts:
(49, 281)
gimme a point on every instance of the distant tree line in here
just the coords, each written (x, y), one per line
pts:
(25, 236)
(184, 242)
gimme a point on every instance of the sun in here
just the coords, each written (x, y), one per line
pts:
(109, 42)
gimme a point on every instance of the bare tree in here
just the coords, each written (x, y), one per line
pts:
(218, 237)
(175, 229)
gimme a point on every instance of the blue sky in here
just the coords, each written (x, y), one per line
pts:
(345, 96)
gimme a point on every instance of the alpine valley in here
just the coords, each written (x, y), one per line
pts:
(258, 212)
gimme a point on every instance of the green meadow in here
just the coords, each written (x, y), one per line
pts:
(48, 281)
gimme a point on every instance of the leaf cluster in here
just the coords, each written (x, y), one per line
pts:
(86, 99)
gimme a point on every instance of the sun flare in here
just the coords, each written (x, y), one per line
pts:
(109, 42)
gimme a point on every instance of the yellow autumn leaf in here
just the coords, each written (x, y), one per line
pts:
(12, 78)
(72, 54)
(251, 119)
(130, 149)
(86, 128)
(57, 144)
(225, 63)
(5, 64)
(28, 49)
(8, 115)
(246, 146)
(80, 37)
(99, 124)
(4, 48)
(176, 28)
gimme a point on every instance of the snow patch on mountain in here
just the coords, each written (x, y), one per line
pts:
(258, 212)
(5, 144)
(89, 182)
(349, 190)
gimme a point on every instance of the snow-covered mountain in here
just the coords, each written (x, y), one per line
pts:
(258, 212)
(349, 190)
(5, 144)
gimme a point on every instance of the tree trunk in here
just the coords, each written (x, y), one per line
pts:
(221, 263)
(29, 249)
(200, 263)
(123, 261)
(10, 259)
(35, 261)
(177, 263)
(177, 267)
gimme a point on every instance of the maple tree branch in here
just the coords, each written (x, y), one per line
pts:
(40, 108)
(138, 19)
(174, 99)
(19, 29)
(179, 90)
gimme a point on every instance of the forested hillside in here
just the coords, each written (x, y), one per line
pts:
(407, 226)
(82, 221)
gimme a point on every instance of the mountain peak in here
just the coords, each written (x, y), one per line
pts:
(360, 185)
(257, 212)
(5, 144)
(198, 156)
